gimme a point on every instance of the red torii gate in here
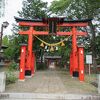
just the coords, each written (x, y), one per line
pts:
(51, 25)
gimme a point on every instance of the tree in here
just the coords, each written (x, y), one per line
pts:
(12, 52)
(33, 9)
(5, 40)
(78, 9)
(59, 6)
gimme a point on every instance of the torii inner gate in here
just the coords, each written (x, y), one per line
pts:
(52, 26)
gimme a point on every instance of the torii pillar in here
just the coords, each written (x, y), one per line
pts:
(33, 64)
(74, 52)
(28, 68)
(22, 62)
(81, 62)
(71, 64)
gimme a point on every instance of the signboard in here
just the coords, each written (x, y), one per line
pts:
(88, 59)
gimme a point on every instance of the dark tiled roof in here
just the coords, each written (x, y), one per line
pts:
(58, 19)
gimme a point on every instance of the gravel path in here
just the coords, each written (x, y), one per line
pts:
(51, 82)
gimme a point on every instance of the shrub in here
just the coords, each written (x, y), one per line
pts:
(13, 66)
(10, 77)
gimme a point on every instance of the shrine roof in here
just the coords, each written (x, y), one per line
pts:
(58, 19)
(27, 20)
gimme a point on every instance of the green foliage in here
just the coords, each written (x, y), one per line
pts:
(10, 74)
(13, 66)
(76, 8)
(5, 40)
(33, 9)
(13, 42)
(10, 77)
(13, 49)
(81, 9)
(59, 6)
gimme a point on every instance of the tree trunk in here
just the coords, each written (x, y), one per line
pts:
(93, 48)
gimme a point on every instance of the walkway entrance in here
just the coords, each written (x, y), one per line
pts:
(52, 61)
(51, 81)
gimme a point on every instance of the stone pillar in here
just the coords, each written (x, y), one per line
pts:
(98, 83)
(2, 81)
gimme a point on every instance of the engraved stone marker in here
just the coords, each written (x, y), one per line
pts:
(2, 81)
(98, 83)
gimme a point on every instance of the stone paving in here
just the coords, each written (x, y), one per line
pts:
(50, 85)
(51, 82)
(45, 96)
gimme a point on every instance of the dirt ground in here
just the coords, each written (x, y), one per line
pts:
(52, 81)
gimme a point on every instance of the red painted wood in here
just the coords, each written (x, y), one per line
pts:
(29, 52)
(33, 63)
(32, 24)
(64, 33)
(46, 33)
(73, 56)
(22, 63)
(40, 33)
(44, 24)
(73, 24)
(74, 49)
(71, 64)
(81, 63)
(34, 32)
(24, 32)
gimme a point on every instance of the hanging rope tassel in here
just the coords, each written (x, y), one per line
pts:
(52, 48)
(53, 44)
(62, 44)
(42, 44)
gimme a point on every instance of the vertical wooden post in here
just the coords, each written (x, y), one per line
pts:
(71, 64)
(33, 63)
(74, 50)
(29, 54)
(22, 63)
(81, 62)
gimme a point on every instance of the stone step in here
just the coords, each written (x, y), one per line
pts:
(40, 96)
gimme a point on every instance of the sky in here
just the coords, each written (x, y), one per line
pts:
(11, 9)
